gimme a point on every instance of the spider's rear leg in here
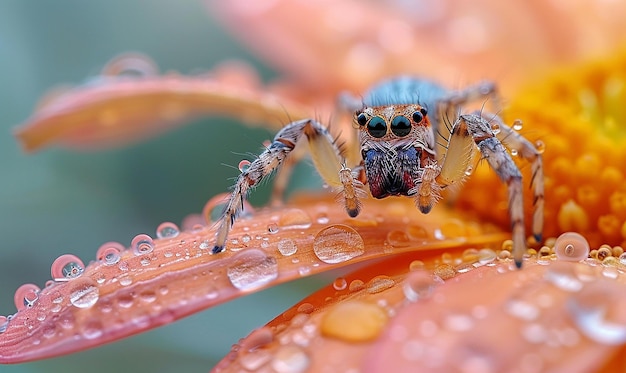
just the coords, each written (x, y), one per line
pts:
(326, 157)
(474, 128)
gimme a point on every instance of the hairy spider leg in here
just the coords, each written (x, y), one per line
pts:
(477, 128)
(327, 159)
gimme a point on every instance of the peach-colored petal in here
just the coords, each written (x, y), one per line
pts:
(329, 46)
(157, 281)
(116, 110)
(486, 317)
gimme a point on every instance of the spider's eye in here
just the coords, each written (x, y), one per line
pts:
(361, 119)
(400, 125)
(424, 111)
(418, 116)
(377, 127)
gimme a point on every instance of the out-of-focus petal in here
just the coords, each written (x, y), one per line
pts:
(113, 110)
(328, 46)
(159, 280)
(456, 315)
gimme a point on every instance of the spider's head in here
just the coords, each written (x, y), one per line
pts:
(397, 142)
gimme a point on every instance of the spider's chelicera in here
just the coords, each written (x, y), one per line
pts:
(414, 140)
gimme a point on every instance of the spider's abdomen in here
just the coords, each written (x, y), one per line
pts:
(391, 173)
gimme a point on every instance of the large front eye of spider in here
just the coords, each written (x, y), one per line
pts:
(400, 126)
(377, 127)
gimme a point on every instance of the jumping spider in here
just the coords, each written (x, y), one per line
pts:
(397, 122)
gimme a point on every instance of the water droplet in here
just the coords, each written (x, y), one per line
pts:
(287, 247)
(322, 219)
(354, 321)
(290, 359)
(540, 146)
(125, 281)
(244, 165)
(272, 228)
(398, 238)
(125, 300)
(295, 219)
(379, 284)
(417, 232)
(598, 313)
(356, 285)
(338, 243)
(518, 125)
(251, 269)
(84, 293)
(142, 244)
(486, 256)
(603, 253)
(571, 247)
(110, 253)
(563, 276)
(66, 267)
(419, 285)
(444, 271)
(254, 360)
(514, 152)
(458, 322)
(26, 296)
(92, 329)
(167, 230)
(469, 170)
(522, 309)
(340, 283)
(495, 128)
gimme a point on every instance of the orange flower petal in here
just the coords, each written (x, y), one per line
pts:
(157, 281)
(487, 317)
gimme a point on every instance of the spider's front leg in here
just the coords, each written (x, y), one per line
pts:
(476, 128)
(326, 157)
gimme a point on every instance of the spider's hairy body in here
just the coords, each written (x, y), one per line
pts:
(414, 140)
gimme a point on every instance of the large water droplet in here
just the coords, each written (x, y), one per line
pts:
(142, 244)
(167, 230)
(338, 243)
(26, 296)
(571, 246)
(110, 253)
(354, 321)
(84, 293)
(251, 269)
(379, 284)
(66, 267)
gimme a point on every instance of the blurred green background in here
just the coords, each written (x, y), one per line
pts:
(58, 201)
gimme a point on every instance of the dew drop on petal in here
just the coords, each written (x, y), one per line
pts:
(92, 329)
(354, 321)
(142, 244)
(486, 256)
(251, 269)
(66, 266)
(295, 219)
(338, 243)
(84, 293)
(167, 230)
(287, 247)
(398, 238)
(572, 247)
(518, 125)
(272, 228)
(290, 359)
(597, 311)
(110, 253)
(26, 296)
(419, 285)
(340, 283)
(379, 284)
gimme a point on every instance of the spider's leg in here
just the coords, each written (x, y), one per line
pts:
(525, 149)
(326, 157)
(479, 129)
